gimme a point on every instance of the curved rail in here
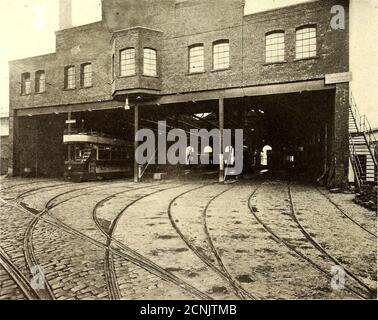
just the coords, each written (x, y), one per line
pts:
(18, 277)
(370, 292)
(302, 256)
(222, 271)
(345, 214)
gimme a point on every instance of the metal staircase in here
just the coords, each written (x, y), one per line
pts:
(361, 147)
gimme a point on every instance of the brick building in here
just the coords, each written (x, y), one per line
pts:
(180, 58)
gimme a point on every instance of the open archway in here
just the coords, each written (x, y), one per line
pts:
(265, 155)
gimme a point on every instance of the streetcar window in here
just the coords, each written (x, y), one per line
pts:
(77, 154)
(104, 153)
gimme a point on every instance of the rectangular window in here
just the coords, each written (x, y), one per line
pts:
(149, 62)
(196, 59)
(40, 82)
(25, 83)
(70, 78)
(305, 42)
(127, 62)
(275, 47)
(221, 55)
(86, 75)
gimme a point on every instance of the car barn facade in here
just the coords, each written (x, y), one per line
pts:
(280, 75)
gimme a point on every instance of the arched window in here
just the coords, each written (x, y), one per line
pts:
(25, 83)
(305, 42)
(127, 62)
(275, 46)
(86, 75)
(221, 54)
(207, 149)
(149, 62)
(196, 58)
(40, 81)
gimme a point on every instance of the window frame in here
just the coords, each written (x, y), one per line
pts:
(83, 74)
(38, 80)
(279, 58)
(26, 79)
(190, 48)
(311, 53)
(67, 77)
(217, 43)
(154, 63)
(131, 72)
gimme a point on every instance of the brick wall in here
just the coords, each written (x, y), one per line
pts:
(214, 20)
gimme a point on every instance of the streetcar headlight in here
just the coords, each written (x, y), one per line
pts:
(70, 168)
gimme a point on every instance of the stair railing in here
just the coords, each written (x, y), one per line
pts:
(364, 127)
(356, 164)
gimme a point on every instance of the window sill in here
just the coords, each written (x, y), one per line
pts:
(89, 87)
(25, 94)
(309, 58)
(147, 76)
(44, 92)
(128, 76)
(194, 73)
(273, 63)
(66, 89)
(220, 70)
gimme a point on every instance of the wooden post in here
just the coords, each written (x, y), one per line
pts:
(221, 129)
(136, 129)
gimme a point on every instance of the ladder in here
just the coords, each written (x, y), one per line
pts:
(361, 147)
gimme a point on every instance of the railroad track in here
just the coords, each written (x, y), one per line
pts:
(363, 294)
(121, 251)
(109, 270)
(30, 257)
(20, 185)
(134, 256)
(30, 191)
(345, 214)
(221, 270)
(370, 292)
(17, 276)
(12, 269)
(31, 260)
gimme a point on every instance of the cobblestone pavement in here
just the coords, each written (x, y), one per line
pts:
(183, 240)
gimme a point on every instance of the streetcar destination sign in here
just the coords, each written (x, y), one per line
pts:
(70, 121)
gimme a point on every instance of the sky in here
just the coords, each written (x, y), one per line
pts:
(27, 29)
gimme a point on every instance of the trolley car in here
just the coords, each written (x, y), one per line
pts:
(93, 156)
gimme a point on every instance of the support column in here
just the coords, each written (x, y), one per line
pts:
(341, 135)
(221, 129)
(13, 163)
(136, 129)
(69, 150)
